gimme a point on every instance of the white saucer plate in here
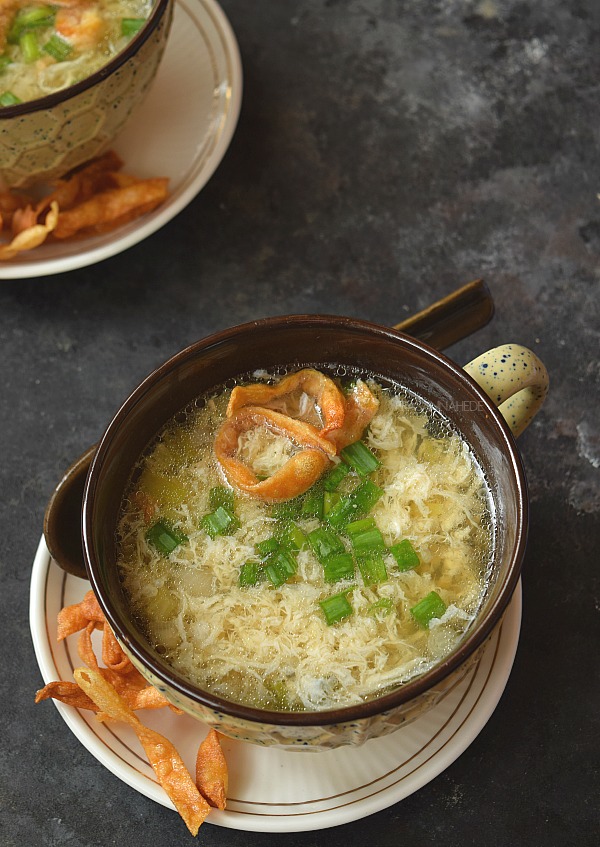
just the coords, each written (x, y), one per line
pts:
(273, 790)
(181, 131)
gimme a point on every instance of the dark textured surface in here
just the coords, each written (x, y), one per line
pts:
(386, 152)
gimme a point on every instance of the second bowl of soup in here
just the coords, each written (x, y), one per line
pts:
(303, 530)
(71, 74)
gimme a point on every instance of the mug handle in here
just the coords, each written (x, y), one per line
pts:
(515, 379)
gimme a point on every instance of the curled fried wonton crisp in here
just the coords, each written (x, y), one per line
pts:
(93, 199)
(164, 758)
(279, 408)
(295, 477)
(31, 236)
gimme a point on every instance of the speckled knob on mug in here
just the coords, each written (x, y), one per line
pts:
(515, 379)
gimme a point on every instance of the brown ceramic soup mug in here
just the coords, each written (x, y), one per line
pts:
(488, 402)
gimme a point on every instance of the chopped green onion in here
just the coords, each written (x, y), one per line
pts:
(275, 575)
(355, 528)
(341, 512)
(365, 537)
(365, 496)
(267, 547)
(250, 574)
(430, 607)
(360, 458)
(164, 537)
(58, 48)
(356, 504)
(330, 498)
(28, 42)
(405, 555)
(312, 505)
(286, 561)
(325, 543)
(221, 496)
(129, 26)
(291, 536)
(370, 541)
(280, 567)
(336, 608)
(338, 566)
(372, 569)
(335, 476)
(381, 607)
(7, 98)
(219, 522)
(40, 16)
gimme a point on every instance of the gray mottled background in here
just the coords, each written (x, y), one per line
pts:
(386, 153)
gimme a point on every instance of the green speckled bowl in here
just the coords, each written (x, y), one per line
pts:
(300, 341)
(43, 139)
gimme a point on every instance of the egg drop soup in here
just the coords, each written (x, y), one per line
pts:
(322, 600)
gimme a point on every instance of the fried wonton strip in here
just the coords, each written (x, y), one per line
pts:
(10, 202)
(131, 215)
(128, 681)
(295, 477)
(67, 692)
(110, 206)
(105, 163)
(211, 771)
(72, 695)
(164, 758)
(361, 405)
(76, 617)
(65, 194)
(81, 184)
(23, 218)
(150, 698)
(85, 647)
(31, 237)
(327, 396)
(122, 180)
(124, 677)
(112, 652)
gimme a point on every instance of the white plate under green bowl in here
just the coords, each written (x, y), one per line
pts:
(181, 131)
(273, 790)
